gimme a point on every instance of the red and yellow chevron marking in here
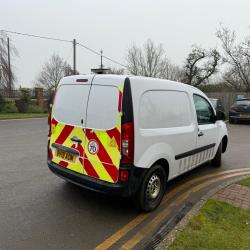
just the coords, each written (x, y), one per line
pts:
(103, 165)
(61, 135)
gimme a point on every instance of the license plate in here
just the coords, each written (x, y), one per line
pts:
(66, 155)
(244, 116)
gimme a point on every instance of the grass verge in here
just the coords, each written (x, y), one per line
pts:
(245, 182)
(21, 115)
(218, 225)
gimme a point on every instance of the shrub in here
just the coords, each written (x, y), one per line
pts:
(9, 107)
(2, 102)
(35, 109)
(24, 101)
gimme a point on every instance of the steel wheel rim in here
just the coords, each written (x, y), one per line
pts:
(153, 187)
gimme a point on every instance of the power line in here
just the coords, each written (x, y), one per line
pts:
(42, 37)
(108, 58)
(68, 41)
(99, 54)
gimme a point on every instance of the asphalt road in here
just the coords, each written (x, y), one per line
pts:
(38, 210)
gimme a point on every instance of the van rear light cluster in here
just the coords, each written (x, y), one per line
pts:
(127, 149)
(124, 175)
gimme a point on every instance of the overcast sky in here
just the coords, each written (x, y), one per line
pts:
(114, 25)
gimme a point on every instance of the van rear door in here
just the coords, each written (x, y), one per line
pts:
(103, 129)
(67, 139)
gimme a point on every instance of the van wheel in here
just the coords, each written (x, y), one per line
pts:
(152, 189)
(216, 162)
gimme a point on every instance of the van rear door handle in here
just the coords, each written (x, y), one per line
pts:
(75, 139)
(200, 133)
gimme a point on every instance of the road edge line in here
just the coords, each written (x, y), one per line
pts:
(116, 236)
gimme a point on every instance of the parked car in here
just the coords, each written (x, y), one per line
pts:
(240, 111)
(129, 135)
(217, 103)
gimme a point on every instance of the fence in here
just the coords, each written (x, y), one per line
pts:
(227, 98)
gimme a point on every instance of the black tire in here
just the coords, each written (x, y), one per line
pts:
(144, 198)
(216, 162)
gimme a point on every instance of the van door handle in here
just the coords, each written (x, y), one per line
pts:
(75, 139)
(200, 133)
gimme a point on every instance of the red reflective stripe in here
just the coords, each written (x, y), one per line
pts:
(104, 157)
(63, 164)
(115, 133)
(112, 170)
(54, 121)
(120, 102)
(90, 169)
(79, 148)
(50, 154)
(102, 153)
(64, 134)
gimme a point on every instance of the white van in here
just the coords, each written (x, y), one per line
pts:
(129, 135)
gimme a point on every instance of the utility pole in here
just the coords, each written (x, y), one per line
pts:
(9, 86)
(101, 58)
(74, 56)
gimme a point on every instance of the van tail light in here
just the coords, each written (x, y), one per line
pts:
(127, 147)
(124, 175)
(49, 124)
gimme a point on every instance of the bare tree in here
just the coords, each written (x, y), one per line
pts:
(117, 71)
(5, 82)
(52, 72)
(151, 60)
(200, 65)
(237, 57)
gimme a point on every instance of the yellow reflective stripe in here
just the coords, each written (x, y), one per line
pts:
(97, 165)
(77, 167)
(78, 132)
(120, 87)
(113, 152)
(57, 133)
(119, 127)
(54, 137)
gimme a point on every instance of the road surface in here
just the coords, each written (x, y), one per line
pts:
(38, 210)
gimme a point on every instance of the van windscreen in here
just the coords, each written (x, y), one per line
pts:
(70, 104)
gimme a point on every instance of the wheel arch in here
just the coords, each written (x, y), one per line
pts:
(224, 143)
(164, 163)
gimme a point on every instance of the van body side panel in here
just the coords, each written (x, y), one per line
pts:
(160, 128)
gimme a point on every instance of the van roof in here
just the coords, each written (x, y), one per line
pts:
(134, 79)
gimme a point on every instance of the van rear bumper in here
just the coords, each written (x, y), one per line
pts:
(125, 189)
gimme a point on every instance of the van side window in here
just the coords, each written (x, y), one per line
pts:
(164, 109)
(204, 111)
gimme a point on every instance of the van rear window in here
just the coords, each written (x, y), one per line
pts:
(70, 104)
(102, 107)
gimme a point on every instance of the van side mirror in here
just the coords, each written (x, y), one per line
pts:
(220, 115)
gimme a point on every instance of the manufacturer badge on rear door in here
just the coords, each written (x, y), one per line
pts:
(93, 147)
